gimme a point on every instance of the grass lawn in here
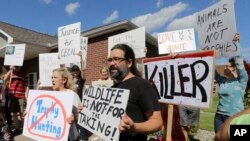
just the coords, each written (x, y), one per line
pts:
(214, 104)
(207, 121)
(207, 115)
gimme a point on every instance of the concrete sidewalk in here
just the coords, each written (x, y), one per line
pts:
(23, 138)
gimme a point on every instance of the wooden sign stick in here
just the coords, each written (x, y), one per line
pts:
(11, 73)
(170, 108)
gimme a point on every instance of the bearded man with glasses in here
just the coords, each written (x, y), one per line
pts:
(143, 114)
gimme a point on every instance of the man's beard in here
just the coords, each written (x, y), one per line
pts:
(119, 75)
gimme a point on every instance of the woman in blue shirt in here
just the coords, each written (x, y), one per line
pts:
(231, 89)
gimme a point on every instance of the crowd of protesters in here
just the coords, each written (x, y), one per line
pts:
(144, 114)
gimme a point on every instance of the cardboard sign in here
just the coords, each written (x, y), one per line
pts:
(176, 41)
(103, 108)
(186, 80)
(216, 29)
(47, 63)
(84, 49)
(47, 113)
(69, 43)
(14, 54)
(136, 39)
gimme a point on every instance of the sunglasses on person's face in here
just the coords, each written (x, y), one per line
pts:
(73, 70)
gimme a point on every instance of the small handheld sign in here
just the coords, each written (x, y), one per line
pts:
(14, 54)
(103, 108)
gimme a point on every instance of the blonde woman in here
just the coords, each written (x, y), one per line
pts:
(104, 80)
(62, 81)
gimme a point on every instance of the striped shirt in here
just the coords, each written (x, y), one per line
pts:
(19, 81)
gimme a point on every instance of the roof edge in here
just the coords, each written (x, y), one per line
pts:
(9, 38)
(124, 24)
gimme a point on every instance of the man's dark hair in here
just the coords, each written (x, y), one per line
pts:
(75, 67)
(128, 54)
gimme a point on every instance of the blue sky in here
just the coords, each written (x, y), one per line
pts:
(157, 16)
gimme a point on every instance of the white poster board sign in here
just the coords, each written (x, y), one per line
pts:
(176, 41)
(47, 113)
(185, 80)
(103, 108)
(136, 39)
(84, 49)
(69, 43)
(14, 54)
(47, 63)
(216, 29)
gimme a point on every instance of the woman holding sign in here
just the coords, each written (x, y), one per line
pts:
(62, 81)
(231, 89)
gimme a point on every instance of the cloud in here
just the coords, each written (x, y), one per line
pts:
(47, 1)
(111, 17)
(153, 21)
(159, 3)
(182, 23)
(72, 7)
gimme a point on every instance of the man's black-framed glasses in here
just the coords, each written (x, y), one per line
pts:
(116, 60)
(73, 70)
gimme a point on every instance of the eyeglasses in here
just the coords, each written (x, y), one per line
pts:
(116, 60)
(75, 70)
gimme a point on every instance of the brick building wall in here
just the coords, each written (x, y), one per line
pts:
(97, 53)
